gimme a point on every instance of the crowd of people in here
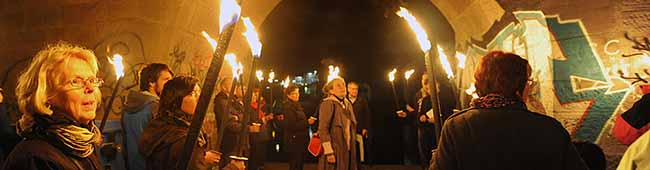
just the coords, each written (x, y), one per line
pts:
(58, 95)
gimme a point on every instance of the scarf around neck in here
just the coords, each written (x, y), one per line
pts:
(65, 133)
(492, 101)
(183, 119)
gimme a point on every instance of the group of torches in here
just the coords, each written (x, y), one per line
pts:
(229, 15)
(425, 46)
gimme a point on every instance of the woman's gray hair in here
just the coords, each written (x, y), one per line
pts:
(36, 84)
(330, 85)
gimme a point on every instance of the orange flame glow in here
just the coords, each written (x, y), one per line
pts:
(333, 73)
(408, 74)
(271, 77)
(461, 60)
(212, 41)
(228, 14)
(285, 83)
(472, 91)
(252, 38)
(420, 33)
(391, 75)
(260, 75)
(118, 65)
(445, 63)
(234, 65)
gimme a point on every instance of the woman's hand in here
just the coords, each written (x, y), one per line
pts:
(331, 159)
(423, 118)
(212, 157)
(431, 120)
(311, 120)
(401, 114)
(409, 108)
(238, 164)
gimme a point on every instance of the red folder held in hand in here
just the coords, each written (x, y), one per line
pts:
(314, 147)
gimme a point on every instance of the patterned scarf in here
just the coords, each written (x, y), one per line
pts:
(491, 101)
(67, 134)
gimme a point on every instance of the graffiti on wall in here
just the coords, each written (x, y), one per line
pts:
(130, 46)
(577, 83)
(190, 60)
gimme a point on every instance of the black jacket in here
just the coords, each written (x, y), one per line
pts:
(297, 127)
(39, 154)
(162, 142)
(40, 150)
(362, 112)
(505, 138)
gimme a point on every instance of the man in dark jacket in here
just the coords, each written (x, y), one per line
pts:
(141, 107)
(362, 111)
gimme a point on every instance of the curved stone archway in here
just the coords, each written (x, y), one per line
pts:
(576, 48)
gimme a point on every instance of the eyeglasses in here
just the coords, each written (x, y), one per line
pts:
(80, 83)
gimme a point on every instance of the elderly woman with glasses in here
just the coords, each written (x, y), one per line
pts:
(58, 95)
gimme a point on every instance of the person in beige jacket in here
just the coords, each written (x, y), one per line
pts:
(337, 129)
(637, 156)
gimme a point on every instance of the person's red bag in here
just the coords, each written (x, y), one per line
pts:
(314, 147)
(625, 133)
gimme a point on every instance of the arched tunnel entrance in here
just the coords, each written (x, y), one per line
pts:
(366, 39)
(588, 57)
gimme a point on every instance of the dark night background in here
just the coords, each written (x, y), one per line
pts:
(366, 39)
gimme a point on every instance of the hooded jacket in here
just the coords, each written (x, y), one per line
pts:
(140, 107)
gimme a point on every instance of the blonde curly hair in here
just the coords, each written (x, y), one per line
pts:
(36, 83)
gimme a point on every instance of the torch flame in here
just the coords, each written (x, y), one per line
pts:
(240, 69)
(408, 74)
(271, 76)
(212, 41)
(252, 38)
(472, 91)
(445, 63)
(228, 14)
(391, 75)
(234, 65)
(260, 75)
(285, 83)
(333, 73)
(117, 65)
(421, 35)
(461, 60)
